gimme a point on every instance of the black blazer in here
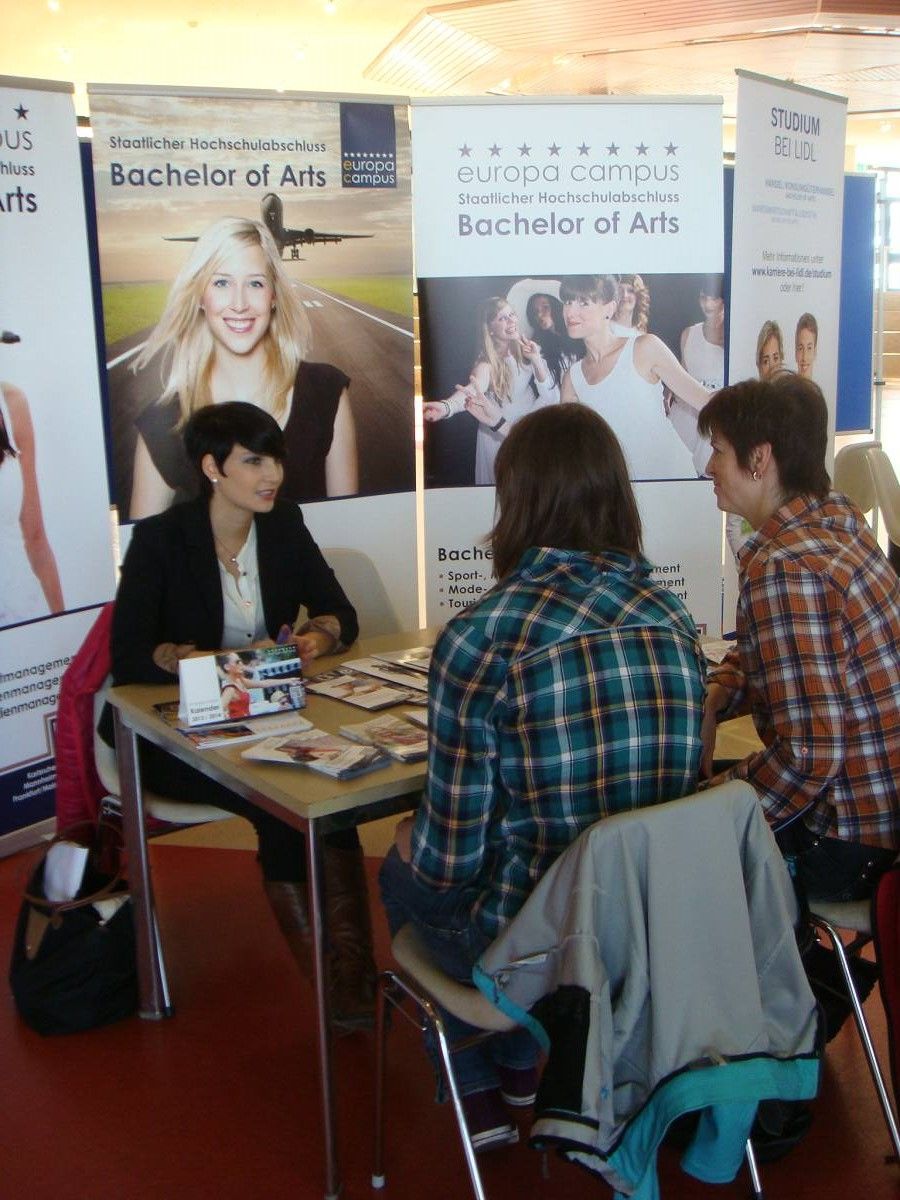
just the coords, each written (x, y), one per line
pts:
(170, 589)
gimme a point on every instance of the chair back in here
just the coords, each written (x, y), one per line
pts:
(359, 578)
(853, 475)
(689, 898)
(887, 491)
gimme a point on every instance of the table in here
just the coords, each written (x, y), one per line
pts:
(306, 800)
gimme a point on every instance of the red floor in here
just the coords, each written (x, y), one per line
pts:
(221, 1101)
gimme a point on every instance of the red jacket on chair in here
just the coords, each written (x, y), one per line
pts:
(78, 787)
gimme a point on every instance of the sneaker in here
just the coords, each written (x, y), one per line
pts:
(518, 1085)
(487, 1120)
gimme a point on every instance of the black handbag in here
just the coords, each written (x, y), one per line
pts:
(70, 969)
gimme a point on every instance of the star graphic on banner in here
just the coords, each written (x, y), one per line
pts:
(525, 150)
(465, 150)
(554, 149)
(21, 112)
(670, 149)
(495, 150)
(612, 148)
(641, 149)
(583, 149)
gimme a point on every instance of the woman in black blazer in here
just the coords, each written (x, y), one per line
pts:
(230, 570)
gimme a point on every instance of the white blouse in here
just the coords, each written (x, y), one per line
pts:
(244, 620)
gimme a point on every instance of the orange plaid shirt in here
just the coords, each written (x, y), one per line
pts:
(817, 664)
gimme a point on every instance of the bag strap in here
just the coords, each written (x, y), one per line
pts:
(71, 835)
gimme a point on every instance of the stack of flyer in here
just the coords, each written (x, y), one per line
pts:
(363, 691)
(399, 669)
(398, 738)
(324, 752)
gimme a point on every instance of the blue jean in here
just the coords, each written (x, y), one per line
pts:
(443, 920)
(831, 869)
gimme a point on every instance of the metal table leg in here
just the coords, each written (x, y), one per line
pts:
(155, 1001)
(323, 1015)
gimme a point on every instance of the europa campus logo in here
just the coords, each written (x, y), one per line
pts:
(368, 146)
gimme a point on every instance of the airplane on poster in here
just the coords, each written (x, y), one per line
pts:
(272, 210)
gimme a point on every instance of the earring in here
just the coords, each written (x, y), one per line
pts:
(756, 475)
(215, 479)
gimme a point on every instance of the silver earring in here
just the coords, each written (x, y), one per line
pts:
(215, 479)
(756, 475)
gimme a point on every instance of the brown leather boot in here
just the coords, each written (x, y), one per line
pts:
(288, 901)
(352, 972)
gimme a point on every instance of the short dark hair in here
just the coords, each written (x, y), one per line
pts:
(807, 321)
(787, 411)
(602, 289)
(217, 428)
(562, 481)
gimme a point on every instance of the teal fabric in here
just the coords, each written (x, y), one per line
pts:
(488, 986)
(734, 1089)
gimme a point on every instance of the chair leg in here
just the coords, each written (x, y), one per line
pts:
(862, 1026)
(381, 1009)
(755, 1181)
(444, 1049)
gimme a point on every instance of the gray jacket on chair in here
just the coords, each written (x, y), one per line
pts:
(659, 956)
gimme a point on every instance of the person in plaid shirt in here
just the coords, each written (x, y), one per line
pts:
(817, 660)
(571, 690)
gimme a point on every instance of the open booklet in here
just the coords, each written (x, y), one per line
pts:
(236, 684)
(416, 658)
(231, 733)
(403, 676)
(320, 751)
(363, 691)
(399, 738)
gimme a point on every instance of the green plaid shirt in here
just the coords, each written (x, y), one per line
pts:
(572, 690)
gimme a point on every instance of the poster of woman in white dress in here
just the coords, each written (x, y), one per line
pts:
(495, 348)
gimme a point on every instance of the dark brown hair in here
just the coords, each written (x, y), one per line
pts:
(785, 410)
(562, 482)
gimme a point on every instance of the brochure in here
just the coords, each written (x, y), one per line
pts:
(418, 716)
(417, 658)
(230, 733)
(362, 690)
(320, 751)
(236, 684)
(407, 677)
(401, 740)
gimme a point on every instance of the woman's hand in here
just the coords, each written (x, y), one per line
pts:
(435, 410)
(403, 838)
(716, 699)
(530, 349)
(482, 407)
(168, 655)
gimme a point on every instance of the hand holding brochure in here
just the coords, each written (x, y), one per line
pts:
(320, 751)
(401, 740)
(236, 684)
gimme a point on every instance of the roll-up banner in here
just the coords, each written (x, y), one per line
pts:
(786, 251)
(178, 175)
(530, 218)
(56, 563)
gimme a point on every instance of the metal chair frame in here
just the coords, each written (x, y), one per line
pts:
(855, 917)
(394, 987)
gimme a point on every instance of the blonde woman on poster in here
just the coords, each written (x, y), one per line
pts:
(509, 379)
(623, 379)
(29, 579)
(234, 329)
(633, 310)
(769, 349)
